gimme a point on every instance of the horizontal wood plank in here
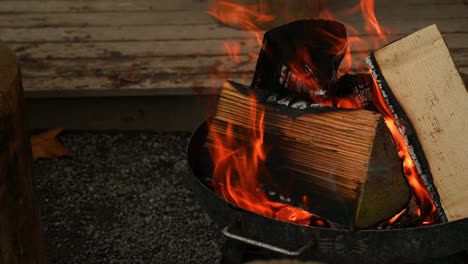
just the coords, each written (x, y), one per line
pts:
(97, 41)
(142, 49)
(143, 66)
(167, 65)
(39, 20)
(156, 85)
(100, 6)
(167, 32)
(199, 16)
(50, 6)
(122, 49)
(97, 78)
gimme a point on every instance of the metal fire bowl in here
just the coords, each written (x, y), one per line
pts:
(310, 242)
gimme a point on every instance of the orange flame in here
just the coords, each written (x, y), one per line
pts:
(233, 50)
(245, 17)
(237, 166)
(396, 217)
(427, 210)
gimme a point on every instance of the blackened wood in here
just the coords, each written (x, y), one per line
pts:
(301, 57)
(21, 240)
(352, 91)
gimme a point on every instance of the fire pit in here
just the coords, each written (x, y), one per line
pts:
(311, 242)
(317, 161)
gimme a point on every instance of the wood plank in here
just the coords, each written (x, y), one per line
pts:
(49, 6)
(141, 66)
(122, 33)
(100, 6)
(151, 49)
(184, 17)
(101, 77)
(128, 49)
(32, 68)
(187, 17)
(436, 105)
(166, 32)
(146, 66)
(157, 85)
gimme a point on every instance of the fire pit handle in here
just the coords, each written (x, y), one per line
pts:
(265, 245)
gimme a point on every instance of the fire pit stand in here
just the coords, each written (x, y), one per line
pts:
(310, 242)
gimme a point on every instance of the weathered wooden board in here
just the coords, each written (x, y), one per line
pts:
(164, 32)
(101, 5)
(39, 20)
(49, 6)
(152, 75)
(172, 48)
(101, 39)
(143, 66)
(196, 17)
(158, 84)
(423, 85)
(140, 49)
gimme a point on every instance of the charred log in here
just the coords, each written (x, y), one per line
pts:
(301, 57)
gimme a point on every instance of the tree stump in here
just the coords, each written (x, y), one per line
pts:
(21, 238)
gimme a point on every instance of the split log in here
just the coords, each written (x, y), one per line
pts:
(344, 161)
(420, 81)
(21, 238)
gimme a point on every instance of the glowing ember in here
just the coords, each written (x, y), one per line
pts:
(237, 167)
(396, 217)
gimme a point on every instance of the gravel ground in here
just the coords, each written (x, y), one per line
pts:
(118, 201)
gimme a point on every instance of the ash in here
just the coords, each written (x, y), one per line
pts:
(118, 201)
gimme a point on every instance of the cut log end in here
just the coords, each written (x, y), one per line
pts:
(385, 173)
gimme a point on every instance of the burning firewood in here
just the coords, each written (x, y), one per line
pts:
(422, 90)
(339, 164)
(300, 57)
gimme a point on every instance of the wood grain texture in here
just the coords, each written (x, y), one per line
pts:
(391, 17)
(100, 6)
(168, 33)
(21, 240)
(422, 76)
(340, 158)
(73, 32)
